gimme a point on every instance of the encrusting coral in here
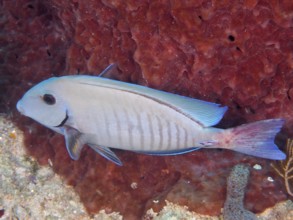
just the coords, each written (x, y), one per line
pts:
(285, 167)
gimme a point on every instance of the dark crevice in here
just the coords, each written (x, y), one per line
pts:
(231, 38)
(30, 6)
(288, 94)
(237, 48)
(237, 105)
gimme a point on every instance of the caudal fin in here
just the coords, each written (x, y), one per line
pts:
(256, 139)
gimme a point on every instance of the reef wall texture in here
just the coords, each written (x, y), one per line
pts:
(237, 53)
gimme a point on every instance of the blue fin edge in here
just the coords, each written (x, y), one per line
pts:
(106, 153)
(169, 153)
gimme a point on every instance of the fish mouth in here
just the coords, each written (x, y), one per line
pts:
(63, 122)
(20, 107)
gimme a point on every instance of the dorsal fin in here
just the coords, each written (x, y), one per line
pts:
(110, 72)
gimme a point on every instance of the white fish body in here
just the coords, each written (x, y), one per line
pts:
(129, 120)
(105, 113)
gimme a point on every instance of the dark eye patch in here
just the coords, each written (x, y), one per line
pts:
(49, 99)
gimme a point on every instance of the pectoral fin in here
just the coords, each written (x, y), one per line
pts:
(107, 153)
(74, 142)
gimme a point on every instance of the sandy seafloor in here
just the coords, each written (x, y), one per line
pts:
(30, 191)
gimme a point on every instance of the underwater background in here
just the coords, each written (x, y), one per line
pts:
(236, 53)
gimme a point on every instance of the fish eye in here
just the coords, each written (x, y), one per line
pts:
(49, 99)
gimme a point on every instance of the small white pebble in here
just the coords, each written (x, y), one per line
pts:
(50, 162)
(257, 167)
(72, 203)
(133, 185)
(270, 179)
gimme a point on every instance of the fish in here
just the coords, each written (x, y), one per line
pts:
(107, 114)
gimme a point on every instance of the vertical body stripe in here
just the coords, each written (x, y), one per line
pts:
(169, 131)
(160, 132)
(151, 128)
(140, 129)
(130, 128)
(185, 137)
(178, 140)
(118, 126)
(107, 125)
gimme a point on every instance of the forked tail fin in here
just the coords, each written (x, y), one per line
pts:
(256, 139)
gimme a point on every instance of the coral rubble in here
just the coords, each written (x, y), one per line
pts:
(237, 53)
(30, 191)
(282, 211)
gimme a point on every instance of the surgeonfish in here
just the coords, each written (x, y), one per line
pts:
(104, 113)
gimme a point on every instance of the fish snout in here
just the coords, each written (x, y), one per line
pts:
(20, 107)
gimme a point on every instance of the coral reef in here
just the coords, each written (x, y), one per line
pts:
(285, 168)
(236, 184)
(282, 211)
(30, 191)
(173, 212)
(237, 53)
